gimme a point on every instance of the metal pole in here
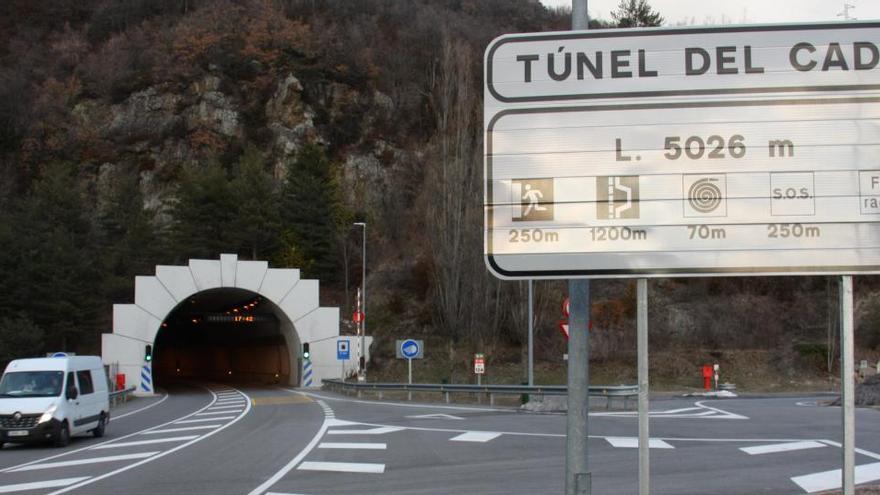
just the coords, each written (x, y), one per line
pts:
(644, 452)
(847, 384)
(531, 337)
(364, 292)
(410, 371)
(577, 468)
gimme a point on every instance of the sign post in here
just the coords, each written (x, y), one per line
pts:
(410, 349)
(343, 353)
(479, 366)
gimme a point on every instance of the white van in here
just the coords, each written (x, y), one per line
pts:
(50, 399)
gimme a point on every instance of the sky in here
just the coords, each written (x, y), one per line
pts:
(700, 12)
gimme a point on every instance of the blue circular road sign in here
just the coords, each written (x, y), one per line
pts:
(409, 348)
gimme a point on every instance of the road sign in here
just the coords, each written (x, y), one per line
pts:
(680, 152)
(410, 349)
(479, 364)
(343, 350)
(358, 316)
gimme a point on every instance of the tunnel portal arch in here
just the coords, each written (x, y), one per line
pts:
(295, 302)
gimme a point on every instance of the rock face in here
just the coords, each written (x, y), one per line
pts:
(145, 115)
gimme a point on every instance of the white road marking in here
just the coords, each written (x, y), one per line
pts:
(218, 408)
(830, 480)
(20, 487)
(705, 412)
(79, 462)
(398, 404)
(782, 447)
(339, 422)
(361, 446)
(146, 442)
(633, 443)
(175, 430)
(435, 416)
(476, 436)
(343, 467)
(157, 456)
(187, 421)
(372, 431)
(866, 453)
(279, 493)
(299, 457)
(216, 412)
(112, 417)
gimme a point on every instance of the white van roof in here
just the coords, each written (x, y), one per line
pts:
(55, 364)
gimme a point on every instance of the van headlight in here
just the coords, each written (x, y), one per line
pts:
(47, 416)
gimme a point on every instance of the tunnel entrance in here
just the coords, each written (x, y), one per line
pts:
(225, 334)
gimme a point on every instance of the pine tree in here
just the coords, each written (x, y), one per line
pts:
(203, 211)
(636, 13)
(256, 224)
(310, 213)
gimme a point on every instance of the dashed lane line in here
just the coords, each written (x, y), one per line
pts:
(81, 462)
(214, 413)
(830, 480)
(633, 443)
(37, 485)
(343, 467)
(782, 447)
(372, 431)
(353, 446)
(476, 436)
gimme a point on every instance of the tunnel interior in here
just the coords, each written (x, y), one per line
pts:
(228, 335)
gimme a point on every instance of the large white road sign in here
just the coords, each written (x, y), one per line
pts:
(742, 150)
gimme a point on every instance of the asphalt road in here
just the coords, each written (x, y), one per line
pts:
(255, 440)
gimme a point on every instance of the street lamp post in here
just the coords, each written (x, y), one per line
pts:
(362, 360)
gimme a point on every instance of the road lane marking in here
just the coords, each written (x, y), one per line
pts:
(160, 455)
(299, 457)
(372, 431)
(231, 406)
(82, 449)
(188, 421)
(782, 447)
(80, 462)
(476, 436)
(633, 443)
(830, 480)
(20, 487)
(112, 417)
(355, 446)
(216, 412)
(146, 442)
(340, 422)
(343, 467)
(866, 453)
(436, 416)
(175, 430)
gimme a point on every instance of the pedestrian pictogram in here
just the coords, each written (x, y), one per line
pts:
(532, 199)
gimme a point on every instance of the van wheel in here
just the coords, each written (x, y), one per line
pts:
(63, 439)
(101, 428)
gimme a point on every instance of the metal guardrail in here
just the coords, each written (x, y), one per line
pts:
(609, 392)
(120, 395)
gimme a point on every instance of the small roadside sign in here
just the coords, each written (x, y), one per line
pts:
(410, 349)
(358, 316)
(479, 364)
(343, 350)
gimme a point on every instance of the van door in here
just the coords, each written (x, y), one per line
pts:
(89, 408)
(71, 406)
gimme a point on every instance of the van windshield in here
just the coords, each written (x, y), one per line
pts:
(31, 384)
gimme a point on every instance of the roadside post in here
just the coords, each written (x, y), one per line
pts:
(718, 151)
(410, 349)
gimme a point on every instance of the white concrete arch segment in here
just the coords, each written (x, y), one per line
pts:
(137, 325)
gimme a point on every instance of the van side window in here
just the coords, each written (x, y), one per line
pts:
(85, 382)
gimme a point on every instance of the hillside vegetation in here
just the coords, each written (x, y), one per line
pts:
(149, 132)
